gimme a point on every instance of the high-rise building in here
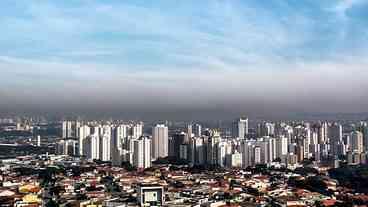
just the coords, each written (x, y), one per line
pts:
(300, 152)
(160, 141)
(199, 151)
(221, 154)
(365, 135)
(197, 130)
(257, 155)
(212, 147)
(177, 140)
(341, 149)
(235, 160)
(119, 143)
(335, 131)
(38, 140)
(121, 136)
(67, 147)
(282, 147)
(272, 149)
(183, 152)
(245, 150)
(142, 153)
(75, 129)
(335, 136)
(189, 133)
(323, 133)
(64, 129)
(92, 146)
(67, 129)
(240, 128)
(137, 130)
(106, 145)
(265, 129)
(357, 141)
(83, 132)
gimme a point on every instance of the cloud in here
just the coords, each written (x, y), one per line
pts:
(327, 87)
(191, 55)
(344, 5)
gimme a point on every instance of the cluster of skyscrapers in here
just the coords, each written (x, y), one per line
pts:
(285, 142)
(114, 142)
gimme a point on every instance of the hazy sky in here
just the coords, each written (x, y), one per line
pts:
(225, 56)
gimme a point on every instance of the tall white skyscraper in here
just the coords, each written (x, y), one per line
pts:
(335, 133)
(197, 130)
(106, 146)
(357, 141)
(335, 137)
(119, 143)
(121, 135)
(365, 135)
(67, 129)
(137, 130)
(197, 151)
(92, 146)
(39, 141)
(142, 153)
(257, 155)
(75, 129)
(64, 128)
(160, 141)
(245, 148)
(222, 153)
(282, 146)
(323, 133)
(212, 147)
(265, 129)
(83, 132)
(240, 128)
(272, 148)
(67, 147)
(189, 133)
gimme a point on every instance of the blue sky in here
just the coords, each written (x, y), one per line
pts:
(165, 51)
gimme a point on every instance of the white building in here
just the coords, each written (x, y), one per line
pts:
(137, 130)
(83, 132)
(272, 149)
(38, 140)
(222, 153)
(119, 143)
(67, 130)
(245, 150)
(92, 146)
(67, 147)
(282, 146)
(197, 130)
(357, 141)
(334, 136)
(122, 135)
(235, 160)
(160, 141)
(257, 155)
(142, 153)
(150, 195)
(240, 128)
(105, 144)
(199, 151)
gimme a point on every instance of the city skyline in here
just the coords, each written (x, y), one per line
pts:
(227, 57)
(111, 163)
(219, 103)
